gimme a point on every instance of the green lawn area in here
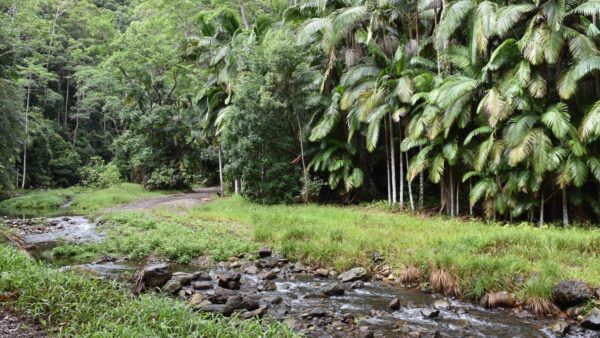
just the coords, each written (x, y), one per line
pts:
(74, 305)
(84, 200)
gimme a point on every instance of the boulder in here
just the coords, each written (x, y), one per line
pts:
(220, 295)
(267, 286)
(430, 313)
(259, 312)
(597, 293)
(216, 308)
(575, 311)
(264, 252)
(229, 280)
(183, 277)
(592, 321)
(201, 275)
(394, 305)
(441, 304)
(570, 293)
(298, 267)
(196, 299)
(353, 275)
(332, 290)
(154, 276)
(317, 313)
(271, 274)
(560, 328)
(364, 332)
(251, 270)
(172, 286)
(323, 273)
(357, 285)
(202, 285)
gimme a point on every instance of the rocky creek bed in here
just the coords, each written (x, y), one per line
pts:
(318, 302)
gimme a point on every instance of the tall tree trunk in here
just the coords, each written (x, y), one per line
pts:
(541, 221)
(243, 14)
(451, 179)
(565, 207)
(457, 201)
(67, 102)
(26, 134)
(235, 183)
(410, 194)
(442, 195)
(421, 186)
(392, 159)
(387, 164)
(470, 205)
(304, 171)
(401, 166)
(221, 173)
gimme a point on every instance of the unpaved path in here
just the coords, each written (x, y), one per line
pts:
(175, 201)
(15, 326)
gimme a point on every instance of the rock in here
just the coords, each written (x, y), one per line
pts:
(498, 299)
(154, 276)
(259, 312)
(353, 275)
(441, 304)
(298, 267)
(183, 277)
(271, 274)
(264, 252)
(571, 292)
(202, 285)
(216, 308)
(394, 304)
(317, 313)
(201, 275)
(377, 257)
(592, 321)
(560, 328)
(267, 286)
(364, 332)
(333, 290)
(357, 285)
(172, 286)
(220, 295)
(598, 293)
(229, 280)
(196, 299)
(251, 270)
(575, 311)
(430, 313)
(323, 273)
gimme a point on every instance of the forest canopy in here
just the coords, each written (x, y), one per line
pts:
(488, 108)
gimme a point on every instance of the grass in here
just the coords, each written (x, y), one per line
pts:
(69, 304)
(84, 200)
(468, 258)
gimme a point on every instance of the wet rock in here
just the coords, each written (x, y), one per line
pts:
(317, 313)
(560, 328)
(274, 300)
(216, 308)
(271, 274)
(259, 312)
(323, 273)
(499, 299)
(364, 332)
(220, 295)
(430, 313)
(201, 275)
(172, 286)
(574, 311)
(592, 321)
(298, 267)
(267, 286)
(183, 277)
(597, 293)
(524, 314)
(353, 275)
(251, 270)
(154, 276)
(394, 304)
(196, 299)
(202, 285)
(357, 285)
(441, 304)
(264, 252)
(571, 292)
(333, 290)
(229, 280)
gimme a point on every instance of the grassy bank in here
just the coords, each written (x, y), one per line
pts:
(84, 200)
(69, 304)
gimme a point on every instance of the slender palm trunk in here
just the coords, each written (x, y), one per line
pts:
(26, 134)
(67, 102)
(387, 164)
(451, 179)
(565, 207)
(221, 172)
(304, 171)
(401, 166)
(421, 186)
(541, 222)
(470, 205)
(410, 194)
(457, 213)
(235, 183)
(392, 160)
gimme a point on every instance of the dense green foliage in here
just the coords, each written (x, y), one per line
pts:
(100, 308)
(491, 105)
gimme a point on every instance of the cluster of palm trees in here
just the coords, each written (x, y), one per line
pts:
(497, 103)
